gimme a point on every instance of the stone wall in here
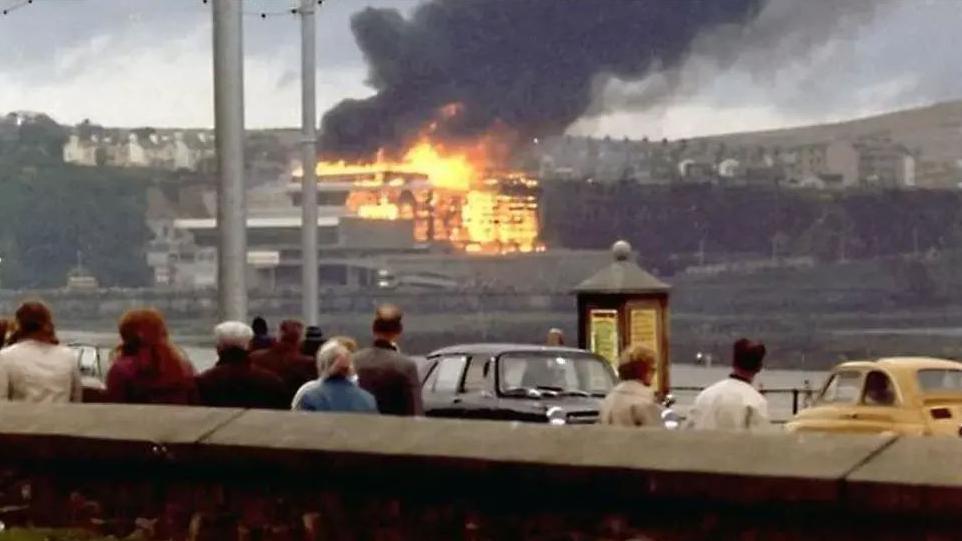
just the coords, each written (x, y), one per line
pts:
(196, 473)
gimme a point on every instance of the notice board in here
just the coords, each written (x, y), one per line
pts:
(603, 332)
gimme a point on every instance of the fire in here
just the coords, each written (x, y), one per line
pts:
(453, 171)
(447, 194)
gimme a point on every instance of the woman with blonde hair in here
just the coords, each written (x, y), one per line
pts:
(335, 390)
(149, 369)
(35, 367)
(349, 343)
(632, 402)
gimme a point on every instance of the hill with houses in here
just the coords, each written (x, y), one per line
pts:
(914, 148)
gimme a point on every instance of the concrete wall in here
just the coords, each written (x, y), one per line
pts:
(178, 473)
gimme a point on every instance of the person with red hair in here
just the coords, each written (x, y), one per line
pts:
(35, 367)
(149, 369)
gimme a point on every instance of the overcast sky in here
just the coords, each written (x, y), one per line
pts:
(148, 63)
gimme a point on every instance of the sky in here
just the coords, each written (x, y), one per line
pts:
(148, 63)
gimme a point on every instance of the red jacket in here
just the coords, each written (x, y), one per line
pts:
(288, 363)
(131, 381)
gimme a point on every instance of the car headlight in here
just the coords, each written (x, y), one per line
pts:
(556, 416)
(671, 419)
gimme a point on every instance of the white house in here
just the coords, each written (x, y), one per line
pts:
(78, 151)
(136, 156)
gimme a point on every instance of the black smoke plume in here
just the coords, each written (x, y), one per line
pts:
(524, 66)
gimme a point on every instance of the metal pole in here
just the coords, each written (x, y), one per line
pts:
(309, 269)
(229, 127)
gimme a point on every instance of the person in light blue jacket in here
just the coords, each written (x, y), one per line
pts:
(337, 390)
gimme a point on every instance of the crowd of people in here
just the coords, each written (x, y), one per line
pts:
(299, 370)
(296, 370)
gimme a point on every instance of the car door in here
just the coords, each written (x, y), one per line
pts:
(477, 395)
(440, 392)
(881, 408)
(834, 411)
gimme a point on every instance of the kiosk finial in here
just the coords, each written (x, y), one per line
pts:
(621, 250)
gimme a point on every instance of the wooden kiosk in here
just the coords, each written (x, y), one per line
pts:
(622, 305)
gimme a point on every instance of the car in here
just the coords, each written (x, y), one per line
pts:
(905, 395)
(91, 360)
(529, 383)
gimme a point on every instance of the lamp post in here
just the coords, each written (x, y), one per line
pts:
(229, 128)
(309, 278)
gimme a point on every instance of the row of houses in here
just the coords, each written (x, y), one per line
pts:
(870, 160)
(169, 150)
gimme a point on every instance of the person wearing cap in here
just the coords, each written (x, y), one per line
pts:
(313, 340)
(632, 402)
(336, 390)
(733, 403)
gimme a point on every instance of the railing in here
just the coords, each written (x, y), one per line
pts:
(801, 397)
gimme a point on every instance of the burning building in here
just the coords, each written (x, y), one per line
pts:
(446, 196)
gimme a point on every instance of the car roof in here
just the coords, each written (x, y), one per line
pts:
(495, 349)
(900, 364)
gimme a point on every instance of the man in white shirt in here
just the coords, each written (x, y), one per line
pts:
(733, 403)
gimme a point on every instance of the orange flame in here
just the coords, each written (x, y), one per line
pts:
(463, 206)
(453, 171)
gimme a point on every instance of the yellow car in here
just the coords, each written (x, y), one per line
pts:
(906, 395)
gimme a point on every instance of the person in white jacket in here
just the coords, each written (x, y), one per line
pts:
(733, 403)
(36, 368)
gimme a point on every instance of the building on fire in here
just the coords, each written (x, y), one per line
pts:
(372, 223)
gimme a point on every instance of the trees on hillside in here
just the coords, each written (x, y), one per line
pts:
(668, 222)
(50, 213)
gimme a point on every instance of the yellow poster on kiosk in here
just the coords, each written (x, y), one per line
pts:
(603, 331)
(643, 331)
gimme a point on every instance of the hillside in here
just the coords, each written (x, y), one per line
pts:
(935, 130)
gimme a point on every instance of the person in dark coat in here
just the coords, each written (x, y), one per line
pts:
(336, 392)
(384, 372)
(313, 340)
(262, 336)
(234, 382)
(285, 360)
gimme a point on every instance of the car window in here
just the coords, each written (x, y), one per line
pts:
(940, 381)
(448, 374)
(477, 378)
(879, 390)
(557, 372)
(842, 388)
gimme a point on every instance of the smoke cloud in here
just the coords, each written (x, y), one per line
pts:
(786, 35)
(526, 67)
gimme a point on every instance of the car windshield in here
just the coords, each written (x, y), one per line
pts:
(553, 373)
(940, 381)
